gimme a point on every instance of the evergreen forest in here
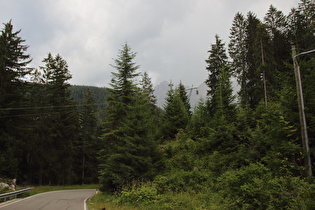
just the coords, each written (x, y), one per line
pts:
(243, 151)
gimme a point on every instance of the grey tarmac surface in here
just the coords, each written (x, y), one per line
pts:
(55, 200)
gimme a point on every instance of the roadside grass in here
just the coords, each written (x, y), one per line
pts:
(42, 189)
(169, 200)
(4, 190)
(107, 201)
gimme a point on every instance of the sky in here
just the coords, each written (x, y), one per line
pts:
(171, 37)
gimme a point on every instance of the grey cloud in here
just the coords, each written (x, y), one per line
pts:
(171, 37)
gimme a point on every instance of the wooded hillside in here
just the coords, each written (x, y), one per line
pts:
(99, 94)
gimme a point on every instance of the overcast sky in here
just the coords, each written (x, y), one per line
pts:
(171, 37)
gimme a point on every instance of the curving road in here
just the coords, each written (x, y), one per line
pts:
(65, 199)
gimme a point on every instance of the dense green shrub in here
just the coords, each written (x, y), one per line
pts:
(138, 192)
(182, 181)
(255, 187)
(4, 190)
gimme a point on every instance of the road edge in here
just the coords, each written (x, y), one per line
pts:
(87, 199)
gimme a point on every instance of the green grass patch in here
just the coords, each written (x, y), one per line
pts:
(4, 190)
(250, 187)
(145, 196)
(108, 201)
(42, 189)
(165, 201)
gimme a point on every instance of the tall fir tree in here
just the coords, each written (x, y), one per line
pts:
(64, 121)
(237, 52)
(88, 145)
(147, 88)
(13, 69)
(217, 64)
(224, 96)
(37, 153)
(280, 50)
(175, 116)
(198, 126)
(148, 91)
(128, 149)
(258, 59)
(301, 25)
(184, 97)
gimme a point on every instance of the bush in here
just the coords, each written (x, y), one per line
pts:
(4, 190)
(139, 192)
(255, 187)
(182, 181)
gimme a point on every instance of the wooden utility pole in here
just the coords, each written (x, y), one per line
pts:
(306, 149)
(264, 71)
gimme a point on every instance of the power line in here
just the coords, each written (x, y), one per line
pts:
(26, 115)
(48, 107)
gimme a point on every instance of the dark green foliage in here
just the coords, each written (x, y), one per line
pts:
(224, 95)
(307, 69)
(274, 141)
(220, 89)
(87, 146)
(279, 49)
(184, 97)
(147, 88)
(254, 187)
(258, 53)
(237, 52)
(57, 139)
(181, 181)
(255, 41)
(217, 61)
(128, 151)
(100, 95)
(199, 123)
(13, 62)
(302, 26)
(175, 116)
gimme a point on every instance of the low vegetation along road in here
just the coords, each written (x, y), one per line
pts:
(65, 199)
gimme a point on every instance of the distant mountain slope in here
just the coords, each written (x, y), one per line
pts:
(100, 94)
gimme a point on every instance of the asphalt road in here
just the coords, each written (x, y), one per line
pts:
(55, 200)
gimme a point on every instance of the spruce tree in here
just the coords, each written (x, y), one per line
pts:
(147, 88)
(175, 116)
(63, 119)
(302, 25)
(13, 69)
(224, 95)
(258, 62)
(198, 126)
(88, 145)
(148, 91)
(128, 149)
(280, 51)
(217, 63)
(237, 52)
(37, 149)
(253, 60)
(184, 97)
